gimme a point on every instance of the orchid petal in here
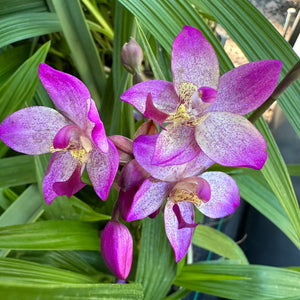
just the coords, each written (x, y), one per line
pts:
(180, 239)
(31, 130)
(61, 167)
(98, 131)
(63, 137)
(194, 60)
(163, 95)
(143, 150)
(231, 140)
(148, 199)
(67, 92)
(153, 113)
(225, 196)
(102, 168)
(181, 222)
(207, 94)
(71, 186)
(175, 146)
(246, 87)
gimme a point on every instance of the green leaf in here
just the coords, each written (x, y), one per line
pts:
(71, 291)
(255, 282)
(219, 243)
(21, 272)
(17, 170)
(50, 235)
(82, 46)
(156, 267)
(264, 200)
(20, 87)
(21, 6)
(17, 27)
(294, 169)
(261, 40)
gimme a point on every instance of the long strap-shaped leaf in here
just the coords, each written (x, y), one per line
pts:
(82, 46)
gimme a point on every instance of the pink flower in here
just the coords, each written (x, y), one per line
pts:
(204, 112)
(215, 194)
(116, 248)
(75, 135)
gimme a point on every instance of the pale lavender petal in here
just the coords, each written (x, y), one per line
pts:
(116, 248)
(163, 95)
(98, 131)
(67, 92)
(225, 196)
(246, 87)
(194, 60)
(71, 186)
(231, 140)
(148, 199)
(31, 130)
(175, 146)
(102, 169)
(153, 113)
(60, 169)
(63, 137)
(180, 239)
(143, 149)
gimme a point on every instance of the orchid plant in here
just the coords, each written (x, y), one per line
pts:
(161, 128)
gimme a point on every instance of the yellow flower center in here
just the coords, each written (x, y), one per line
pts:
(179, 195)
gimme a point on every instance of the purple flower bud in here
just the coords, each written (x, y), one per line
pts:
(131, 56)
(116, 248)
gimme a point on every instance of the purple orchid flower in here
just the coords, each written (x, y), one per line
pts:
(204, 112)
(75, 135)
(215, 194)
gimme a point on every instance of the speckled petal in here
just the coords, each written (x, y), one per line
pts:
(225, 196)
(180, 239)
(148, 199)
(98, 131)
(175, 146)
(31, 130)
(67, 92)
(60, 169)
(102, 169)
(231, 140)
(153, 113)
(163, 95)
(63, 137)
(246, 87)
(194, 60)
(143, 149)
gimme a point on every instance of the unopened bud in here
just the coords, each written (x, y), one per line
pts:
(132, 56)
(116, 248)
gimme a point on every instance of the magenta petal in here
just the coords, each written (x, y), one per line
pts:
(71, 186)
(31, 130)
(60, 169)
(180, 239)
(143, 150)
(153, 113)
(207, 94)
(67, 92)
(102, 169)
(116, 248)
(181, 222)
(225, 196)
(175, 146)
(62, 138)
(231, 140)
(246, 87)
(163, 95)
(98, 131)
(194, 60)
(149, 197)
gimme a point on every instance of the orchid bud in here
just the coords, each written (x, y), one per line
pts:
(132, 56)
(116, 248)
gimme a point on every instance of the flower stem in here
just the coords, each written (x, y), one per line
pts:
(291, 76)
